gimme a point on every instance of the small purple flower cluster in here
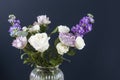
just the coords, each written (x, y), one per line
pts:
(84, 26)
(15, 25)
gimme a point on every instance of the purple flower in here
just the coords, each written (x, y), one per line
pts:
(67, 39)
(84, 26)
(20, 42)
(77, 30)
(15, 25)
(12, 20)
(16, 21)
(14, 29)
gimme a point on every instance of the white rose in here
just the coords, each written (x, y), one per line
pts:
(34, 28)
(61, 48)
(39, 42)
(79, 43)
(24, 28)
(63, 29)
(43, 20)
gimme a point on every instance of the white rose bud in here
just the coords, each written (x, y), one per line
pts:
(34, 28)
(24, 28)
(63, 29)
(61, 48)
(39, 42)
(79, 43)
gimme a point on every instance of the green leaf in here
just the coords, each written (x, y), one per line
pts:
(27, 60)
(55, 30)
(22, 56)
(22, 33)
(56, 41)
(56, 62)
(43, 28)
(71, 52)
(53, 62)
(30, 26)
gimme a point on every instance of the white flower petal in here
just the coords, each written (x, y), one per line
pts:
(39, 42)
(24, 28)
(63, 29)
(61, 48)
(34, 28)
(79, 43)
(43, 20)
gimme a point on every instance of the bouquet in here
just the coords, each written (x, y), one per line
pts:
(37, 45)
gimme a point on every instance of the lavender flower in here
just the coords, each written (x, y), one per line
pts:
(14, 29)
(20, 42)
(84, 26)
(67, 39)
(16, 21)
(15, 25)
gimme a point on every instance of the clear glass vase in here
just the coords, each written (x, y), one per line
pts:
(46, 73)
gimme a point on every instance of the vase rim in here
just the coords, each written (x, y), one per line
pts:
(47, 67)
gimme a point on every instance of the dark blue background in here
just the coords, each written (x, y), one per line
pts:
(99, 60)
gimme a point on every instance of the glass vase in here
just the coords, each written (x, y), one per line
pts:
(46, 73)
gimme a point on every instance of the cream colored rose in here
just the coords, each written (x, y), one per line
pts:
(79, 43)
(34, 28)
(63, 29)
(39, 42)
(61, 48)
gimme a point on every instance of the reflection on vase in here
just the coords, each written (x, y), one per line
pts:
(46, 73)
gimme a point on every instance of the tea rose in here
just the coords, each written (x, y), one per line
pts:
(20, 42)
(79, 43)
(43, 20)
(39, 42)
(63, 29)
(61, 48)
(34, 28)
